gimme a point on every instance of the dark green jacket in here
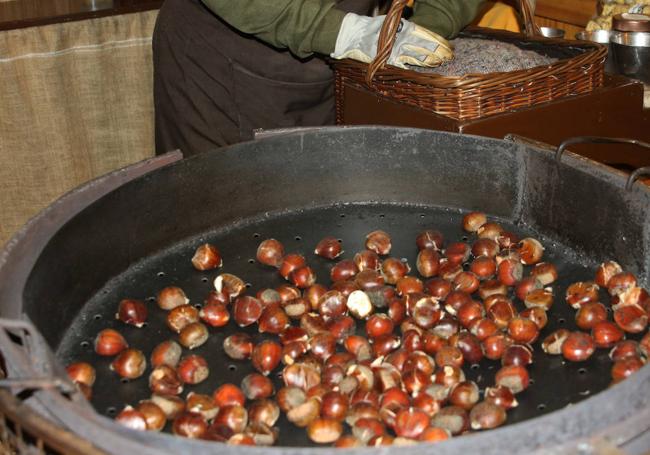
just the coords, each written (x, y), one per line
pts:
(308, 26)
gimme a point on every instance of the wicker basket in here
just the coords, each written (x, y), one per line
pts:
(579, 70)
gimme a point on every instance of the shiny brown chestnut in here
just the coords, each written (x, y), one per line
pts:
(132, 312)
(536, 314)
(514, 377)
(247, 310)
(171, 405)
(486, 415)
(457, 253)
(552, 344)
(523, 330)
(379, 242)
(132, 418)
(486, 248)
(324, 430)
(238, 346)
(256, 386)
(623, 368)
(270, 252)
(465, 394)
(228, 395)
(266, 356)
(193, 369)
(266, 412)
(606, 334)
(215, 314)
(129, 364)
(430, 239)
(620, 283)
(580, 293)
(328, 248)
(81, 373)
(181, 316)
(301, 375)
(154, 416)
(207, 257)
(303, 277)
(234, 417)
(171, 297)
(164, 380)
(539, 298)
(193, 335)
(427, 262)
(530, 251)
(305, 413)
(438, 288)
(606, 271)
(472, 221)
(490, 230)
(366, 260)
(201, 404)
(291, 262)
(517, 354)
(392, 269)
(483, 267)
(166, 353)
(509, 271)
(631, 318)
(273, 320)
(109, 342)
(578, 346)
(590, 314)
(501, 396)
(495, 345)
(623, 349)
(545, 273)
(453, 419)
(411, 422)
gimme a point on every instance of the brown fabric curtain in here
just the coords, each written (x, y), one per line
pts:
(76, 102)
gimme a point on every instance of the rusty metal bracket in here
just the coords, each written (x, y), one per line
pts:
(27, 336)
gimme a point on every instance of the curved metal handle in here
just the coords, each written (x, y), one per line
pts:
(606, 140)
(635, 175)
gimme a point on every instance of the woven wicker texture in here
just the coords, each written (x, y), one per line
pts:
(579, 69)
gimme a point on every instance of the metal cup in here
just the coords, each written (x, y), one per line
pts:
(551, 32)
(631, 53)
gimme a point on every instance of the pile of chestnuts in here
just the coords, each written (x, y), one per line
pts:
(402, 380)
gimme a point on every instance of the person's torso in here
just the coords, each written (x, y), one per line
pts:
(251, 53)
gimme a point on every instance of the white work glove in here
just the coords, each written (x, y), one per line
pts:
(414, 45)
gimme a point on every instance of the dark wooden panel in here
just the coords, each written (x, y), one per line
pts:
(29, 13)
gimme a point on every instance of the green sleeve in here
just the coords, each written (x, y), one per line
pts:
(303, 26)
(445, 17)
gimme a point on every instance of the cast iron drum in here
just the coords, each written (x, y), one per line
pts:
(122, 236)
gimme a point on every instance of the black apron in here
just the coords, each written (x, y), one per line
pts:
(214, 85)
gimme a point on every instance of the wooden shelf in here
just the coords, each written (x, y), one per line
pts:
(29, 13)
(574, 12)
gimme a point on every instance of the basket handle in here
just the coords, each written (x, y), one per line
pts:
(387, 36)
(528, 19)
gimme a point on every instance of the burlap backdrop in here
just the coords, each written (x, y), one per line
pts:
(76, 102)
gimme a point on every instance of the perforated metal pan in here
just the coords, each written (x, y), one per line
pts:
(67, 270)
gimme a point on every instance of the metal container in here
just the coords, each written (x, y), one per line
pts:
(552, 32)
(631, 54)
(600, 37)
(130, 232)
